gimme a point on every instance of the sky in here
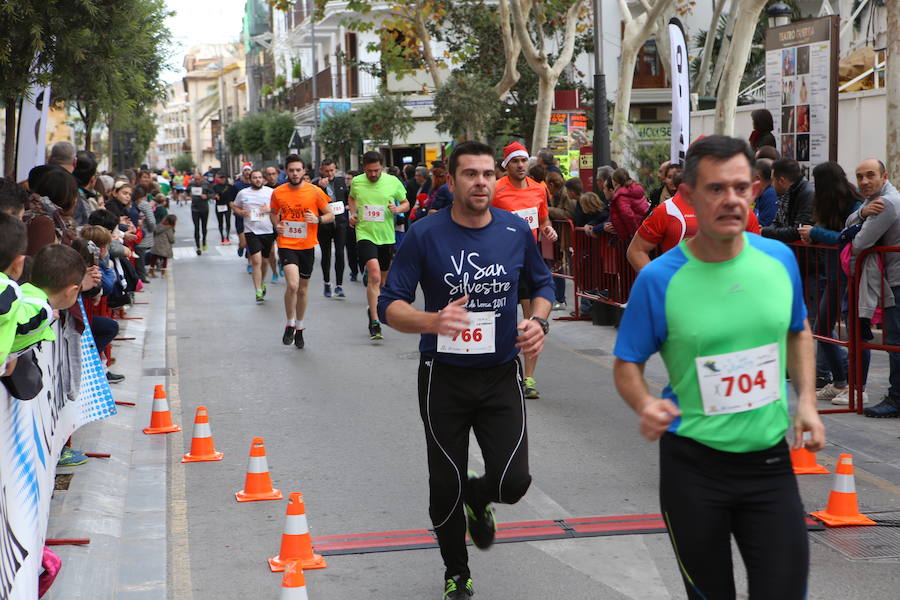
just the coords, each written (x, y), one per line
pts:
(202, 22)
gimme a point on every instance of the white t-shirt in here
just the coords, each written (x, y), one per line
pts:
(257, 202)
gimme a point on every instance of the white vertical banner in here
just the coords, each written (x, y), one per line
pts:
(681, 93)
(31, 141)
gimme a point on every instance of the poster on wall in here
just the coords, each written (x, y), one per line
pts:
(567, 134)
(801, 89)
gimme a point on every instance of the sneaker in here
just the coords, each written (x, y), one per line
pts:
(205, 247)
(280, 271)
(886, 409)
(199, 252)
(375, 331)
(288, 338)
(260, 297)
(822, 382)
(458, 588)
(249, 270)
(353, 277)
(240, 251)
(71, 458)
(559, 306)
(843, 398)
(481, 524)
(298, 338)
(529, 386)
(114, 377)
(264, 290)
(829, 392)
(327, 291)
(366, 279)
(339, 292)
(274, 277)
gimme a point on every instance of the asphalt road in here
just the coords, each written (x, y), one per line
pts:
(341, 425)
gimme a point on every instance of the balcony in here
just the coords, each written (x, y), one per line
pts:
(301, 93)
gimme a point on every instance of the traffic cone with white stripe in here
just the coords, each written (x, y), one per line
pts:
(161, 418)
(202, 446)
(258, 484)
(293, 584)
(804, 461)
(843, 508)
(296, 545)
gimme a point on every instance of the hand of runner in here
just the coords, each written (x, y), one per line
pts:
(394, 208)
(453, 318)
(656, 417)
(310, 217)
(531, 340)
(549, 233)
(807, 419)
(280, 228)
(353, 220)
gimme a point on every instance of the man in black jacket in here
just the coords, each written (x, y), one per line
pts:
(336, 188)
(795, 201)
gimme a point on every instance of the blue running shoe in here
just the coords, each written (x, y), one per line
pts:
(249, 269)
(327, 291)
(274, 277)
(71, 458)
(886, 409)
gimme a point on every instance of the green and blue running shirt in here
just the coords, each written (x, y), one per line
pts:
(721, 329)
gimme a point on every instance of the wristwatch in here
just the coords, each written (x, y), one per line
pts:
(543, 323)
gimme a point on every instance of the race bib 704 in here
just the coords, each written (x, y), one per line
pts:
(740, 381)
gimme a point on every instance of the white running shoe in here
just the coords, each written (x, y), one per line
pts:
(843, 398)
(830, 392)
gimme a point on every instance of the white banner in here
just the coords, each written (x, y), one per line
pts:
(32, 434)
(681, 93)
(31, 141)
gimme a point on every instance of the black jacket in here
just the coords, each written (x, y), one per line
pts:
(340, 195)
(795, 208)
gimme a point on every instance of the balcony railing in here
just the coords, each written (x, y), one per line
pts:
(301, 93)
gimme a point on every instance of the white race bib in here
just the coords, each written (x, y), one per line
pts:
(256, 215)
(477, 339)
(196, 191)
(373, 213)
(530, 215)
(221, 208)
(295, 229)
(739, 381)
(337, 208)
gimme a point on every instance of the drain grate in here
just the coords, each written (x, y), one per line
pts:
(158, 372)
(864, 543)
(593, 351)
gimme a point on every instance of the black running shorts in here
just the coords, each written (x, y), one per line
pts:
(304, 259)
(367, 250)
(259, 242)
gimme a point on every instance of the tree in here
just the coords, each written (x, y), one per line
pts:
(538, 56)
(183, 162)
(892, 84)
(253, 133)
(386, 118)
(279, 127)
(233, 138)
(340, 135)
(637, 30)
(703, 71)
(745, 26)
(466, 105)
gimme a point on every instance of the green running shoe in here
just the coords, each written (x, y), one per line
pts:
(482, 526)
(458, 588)
(263, 288)
(529, 387)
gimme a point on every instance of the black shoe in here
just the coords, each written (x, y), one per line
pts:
(352, 276)
(114, 377)
(288, 336)
(458, 588)
(199, 252)
(375, 331)
(481, 523)
(298, 338)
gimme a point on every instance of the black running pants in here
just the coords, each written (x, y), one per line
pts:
(333, 233)
(708, 496)
(200, 218)
(224, 219)
(352, 257)
(453, 401)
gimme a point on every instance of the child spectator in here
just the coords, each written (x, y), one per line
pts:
(164, 239)
(13, 243)
(594, 211)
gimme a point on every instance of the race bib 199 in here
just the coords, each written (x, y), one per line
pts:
(295, 229)
(739, 381)
(477, 339)
(373, 213)
(337, 208)
(530, 215)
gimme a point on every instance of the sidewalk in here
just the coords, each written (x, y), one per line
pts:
(120, 502)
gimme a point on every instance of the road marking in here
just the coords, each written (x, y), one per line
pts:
(179, 543)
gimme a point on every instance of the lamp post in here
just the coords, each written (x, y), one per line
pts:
(601, 118)
(779, 14)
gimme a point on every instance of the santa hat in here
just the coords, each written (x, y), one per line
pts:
(512, 150)
(246, 167)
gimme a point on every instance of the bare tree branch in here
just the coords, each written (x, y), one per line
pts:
(511, 50)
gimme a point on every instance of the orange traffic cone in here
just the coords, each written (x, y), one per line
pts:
(202, 446)
(258, 484)
(296, 545)
(293, 584)
(160, 419)
(804, 461)
(842, 505)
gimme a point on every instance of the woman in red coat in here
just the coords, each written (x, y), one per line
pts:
(628, 205)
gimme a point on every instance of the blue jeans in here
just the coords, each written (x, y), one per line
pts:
(830, 289)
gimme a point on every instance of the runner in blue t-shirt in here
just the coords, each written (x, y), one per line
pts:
(469, 260)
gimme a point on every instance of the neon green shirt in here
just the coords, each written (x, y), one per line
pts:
(35, 318)
(10, 304)
(376, 223)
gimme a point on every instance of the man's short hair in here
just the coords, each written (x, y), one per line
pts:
(546, 156)
(471, 147)
(787, 168)
(764, 168)
(326, 162)
(13, 239)
(62, 153)
(769, 152)
(60, 187)
(409, 171)
(422, 172)
(292, 158)
(372, 157)
(12, 196)
(56, 267)
(103, 218)
(85, 167)
(716, 147)
(261, 174)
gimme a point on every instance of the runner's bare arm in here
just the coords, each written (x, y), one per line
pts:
(638, 253)
(547, 230)
(656, 414)
(404, 317)
(801, 365)
(351, 206)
